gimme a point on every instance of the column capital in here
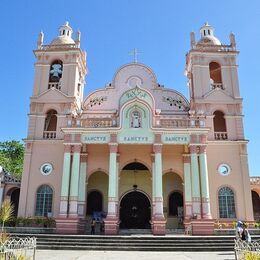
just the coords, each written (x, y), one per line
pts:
(202, 149)
(83, 157)
(157, 148)
(76, 148)
(113, 147)
(193, 149)
(67, 148)
(186, 158)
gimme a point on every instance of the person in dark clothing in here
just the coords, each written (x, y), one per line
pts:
(93, 226)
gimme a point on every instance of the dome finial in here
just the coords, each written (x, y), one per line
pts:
(65, 30)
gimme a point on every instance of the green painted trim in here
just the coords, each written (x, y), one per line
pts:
(97, 138)
(195, 176)
(112, 183)
(153, 180)
(158, 175)
(204, 175)
(187, 182)
(175, 138)
(65, 175)
(74, 182)
(82, 181)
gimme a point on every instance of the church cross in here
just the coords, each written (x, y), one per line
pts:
(135, 53)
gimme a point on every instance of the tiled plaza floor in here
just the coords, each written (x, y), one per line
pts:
(125, 255)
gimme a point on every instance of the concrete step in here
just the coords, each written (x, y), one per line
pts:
(135, 242)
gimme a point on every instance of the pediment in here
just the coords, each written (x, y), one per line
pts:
(218, 95)
(52, 95)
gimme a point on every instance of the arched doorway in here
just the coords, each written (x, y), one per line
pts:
(14, 194)
(256, 204)
(135, 211)
(176, 204)
(94, 202)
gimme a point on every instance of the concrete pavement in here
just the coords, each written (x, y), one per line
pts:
(131, 255)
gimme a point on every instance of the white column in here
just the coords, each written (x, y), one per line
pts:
(74, 182)
(157, 181)
(113, 181)
(195, 180)
(204, 183)
(187, 186)
(82, 186)
(65, 182)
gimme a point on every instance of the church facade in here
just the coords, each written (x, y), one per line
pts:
(135, 153)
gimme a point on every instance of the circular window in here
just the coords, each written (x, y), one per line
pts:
(224, 169)
(46, 169)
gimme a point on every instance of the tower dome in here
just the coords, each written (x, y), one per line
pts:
(65, 33)
(207, 35)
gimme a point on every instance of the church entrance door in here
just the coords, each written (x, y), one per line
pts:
(135, 211)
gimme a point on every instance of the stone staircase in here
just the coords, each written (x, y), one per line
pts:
(134, 242)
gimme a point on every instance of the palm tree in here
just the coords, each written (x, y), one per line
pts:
(6, 212)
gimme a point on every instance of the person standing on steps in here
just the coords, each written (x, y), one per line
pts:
(93, 226)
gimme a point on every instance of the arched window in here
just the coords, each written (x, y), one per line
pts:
(219, 123)
(176, 204)
(94, 202)
(226, 202)
(56, 71)
(44, 201)
(215, 72)
(135, 119)
(51, 121)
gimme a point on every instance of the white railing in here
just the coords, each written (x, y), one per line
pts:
(174, 123)
(255, 180)
(98, 123)
(49, 134)
(217, 86)
(18, 248)
(245, 250)
(221, 135)
(56, 85)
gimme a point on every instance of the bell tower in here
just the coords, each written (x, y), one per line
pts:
(60, 71)
(211, 69)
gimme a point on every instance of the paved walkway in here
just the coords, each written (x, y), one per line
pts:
(125, 255)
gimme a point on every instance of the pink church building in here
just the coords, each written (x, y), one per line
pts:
(136, 153)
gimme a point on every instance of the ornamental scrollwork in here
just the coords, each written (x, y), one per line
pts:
(96, 101)
(176, 102)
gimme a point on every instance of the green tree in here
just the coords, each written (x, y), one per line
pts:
(11, 156)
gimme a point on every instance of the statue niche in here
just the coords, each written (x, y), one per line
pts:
(136, 119)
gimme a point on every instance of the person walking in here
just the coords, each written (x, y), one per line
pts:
(93, 226)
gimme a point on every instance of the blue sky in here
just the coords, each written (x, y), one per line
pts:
(110, 29)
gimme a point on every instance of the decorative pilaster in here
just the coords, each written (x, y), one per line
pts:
(65, 182)
(82, 185)
(187, 186)
(195, 182)
(111, 221)
(74, 182)
(158, 217)
(204, 183)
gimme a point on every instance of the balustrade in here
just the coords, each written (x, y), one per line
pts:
(98, 123)
(217, 86)
(174, 123)
(56, 85)
(221, 135)
(49, 134)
